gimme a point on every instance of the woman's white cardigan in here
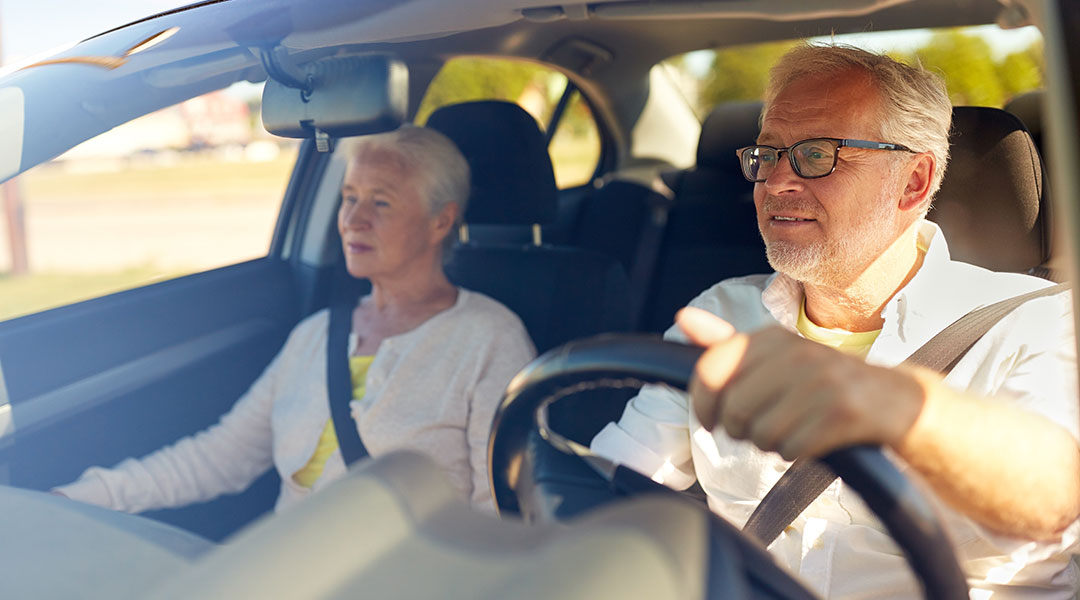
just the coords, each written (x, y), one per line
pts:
(433, 389)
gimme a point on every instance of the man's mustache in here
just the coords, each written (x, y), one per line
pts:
(804, 208)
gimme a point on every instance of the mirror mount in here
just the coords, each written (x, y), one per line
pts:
(278, 68)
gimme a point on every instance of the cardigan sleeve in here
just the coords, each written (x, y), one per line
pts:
(224, 458)
(510, 350)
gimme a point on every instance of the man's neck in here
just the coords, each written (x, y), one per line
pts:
(857, 305)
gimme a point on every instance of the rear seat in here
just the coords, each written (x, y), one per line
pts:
(688, 230)
(712, 231)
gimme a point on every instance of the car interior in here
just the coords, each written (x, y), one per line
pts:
(94, 382)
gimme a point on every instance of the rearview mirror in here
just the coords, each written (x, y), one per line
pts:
(334, 97)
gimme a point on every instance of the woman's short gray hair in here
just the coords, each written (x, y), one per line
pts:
(428, 155)
(916, 110)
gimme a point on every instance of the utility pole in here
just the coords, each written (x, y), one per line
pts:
(13, 209)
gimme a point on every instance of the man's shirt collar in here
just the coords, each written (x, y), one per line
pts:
(915, 313)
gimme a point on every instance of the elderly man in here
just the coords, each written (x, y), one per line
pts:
(852, 148)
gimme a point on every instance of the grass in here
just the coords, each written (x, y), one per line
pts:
(191, 176)
(36, 292)
(105, 200)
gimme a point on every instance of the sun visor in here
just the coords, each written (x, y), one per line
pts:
(12, 106)
(335, 97)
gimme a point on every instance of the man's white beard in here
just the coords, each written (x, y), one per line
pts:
(837, 260)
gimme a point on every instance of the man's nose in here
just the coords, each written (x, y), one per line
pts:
(783, 177)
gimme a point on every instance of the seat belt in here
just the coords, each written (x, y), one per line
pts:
(805, 480)
(653, 227)
(339, 383)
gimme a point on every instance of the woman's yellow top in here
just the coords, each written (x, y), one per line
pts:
(328, 442)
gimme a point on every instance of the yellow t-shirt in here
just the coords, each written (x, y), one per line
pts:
(853, 343)
(328, 442)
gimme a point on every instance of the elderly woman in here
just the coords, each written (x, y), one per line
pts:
(429, 360)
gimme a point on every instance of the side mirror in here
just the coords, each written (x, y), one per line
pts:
(334, 97)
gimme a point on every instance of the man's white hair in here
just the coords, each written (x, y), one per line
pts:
(915, 107)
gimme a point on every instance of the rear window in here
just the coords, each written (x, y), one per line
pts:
(982, 66)
(575, 144)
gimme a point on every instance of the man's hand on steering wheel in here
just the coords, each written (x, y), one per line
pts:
(794, 396)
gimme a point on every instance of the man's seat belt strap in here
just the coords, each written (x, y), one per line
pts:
(339, 383)
(805, 480)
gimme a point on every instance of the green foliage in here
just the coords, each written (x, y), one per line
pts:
(1022, 71)
(465, 79)
(741, 73)
(964, 60)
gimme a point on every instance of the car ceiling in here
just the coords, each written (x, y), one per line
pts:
(609, 55)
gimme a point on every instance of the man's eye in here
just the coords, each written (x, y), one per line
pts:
(815, 153)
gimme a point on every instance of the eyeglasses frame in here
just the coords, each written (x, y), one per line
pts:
(840, 143)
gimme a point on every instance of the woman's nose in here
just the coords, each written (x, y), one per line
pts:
(356, 216)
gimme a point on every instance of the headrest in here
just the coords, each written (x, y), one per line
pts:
(991, 205)
(512, 179)
(728, 127)
(1028, 108)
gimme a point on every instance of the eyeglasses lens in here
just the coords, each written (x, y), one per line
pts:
(812, 158)
(758, 162)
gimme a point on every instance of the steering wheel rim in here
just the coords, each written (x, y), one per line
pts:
(906, 514)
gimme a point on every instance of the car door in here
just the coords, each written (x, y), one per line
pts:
(199, 236)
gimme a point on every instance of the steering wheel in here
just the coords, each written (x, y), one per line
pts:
(621, 360)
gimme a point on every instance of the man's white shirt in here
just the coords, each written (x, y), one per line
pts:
(837, 546)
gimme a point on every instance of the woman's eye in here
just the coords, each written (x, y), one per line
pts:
(348, 199)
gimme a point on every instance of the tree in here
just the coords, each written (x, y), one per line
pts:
(964, 60)
(465, 79)
(741, 73)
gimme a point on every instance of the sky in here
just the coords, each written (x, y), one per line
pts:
(31, 27)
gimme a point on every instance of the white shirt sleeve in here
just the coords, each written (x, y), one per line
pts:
(652, 437)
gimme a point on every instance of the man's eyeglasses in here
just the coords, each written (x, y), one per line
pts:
(809, 159)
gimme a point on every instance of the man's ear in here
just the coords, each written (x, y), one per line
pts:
(919, 173)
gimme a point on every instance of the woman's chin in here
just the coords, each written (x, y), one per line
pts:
(359, 270)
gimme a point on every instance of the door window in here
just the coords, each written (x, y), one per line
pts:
(186, 189)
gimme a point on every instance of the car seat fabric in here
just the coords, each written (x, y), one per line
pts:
(625, 220)
(991, 206)
(513, 181)
(712, 231)
(559, 293)
(1028, 108)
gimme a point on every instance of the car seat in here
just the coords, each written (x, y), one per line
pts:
(712, 231)
(993, 205)
(560, 293)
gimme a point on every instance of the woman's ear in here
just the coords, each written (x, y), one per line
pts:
(919, 175)
(443, 222)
